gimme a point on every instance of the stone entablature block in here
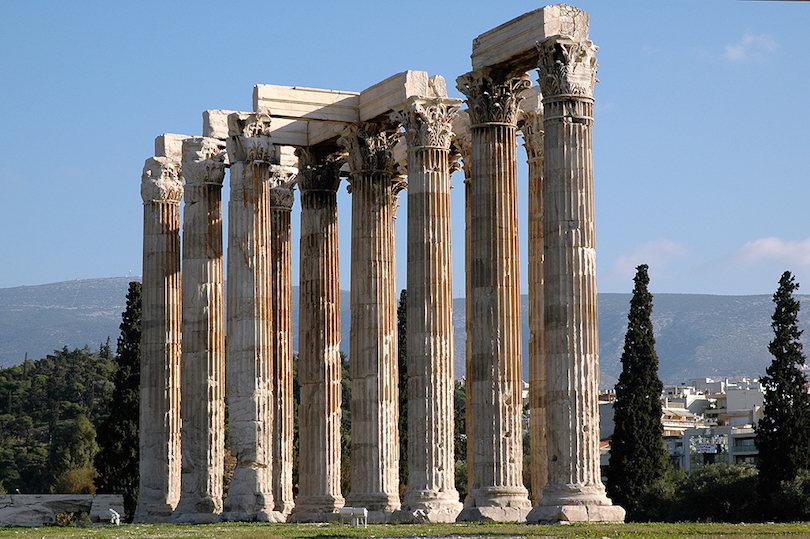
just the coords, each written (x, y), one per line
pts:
(511, 46)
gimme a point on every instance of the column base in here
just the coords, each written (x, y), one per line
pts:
(285, 508)
(252, 516)
(249, 507)
(496, 504)
(553, 514)
(157, 513)
(376, 503)
(200, 511)
(575, 503)
(316, 509)
(429, 506)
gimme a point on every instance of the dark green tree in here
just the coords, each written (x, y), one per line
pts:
(117, 461)
(637, 454)
(783, 435)
(402, 361)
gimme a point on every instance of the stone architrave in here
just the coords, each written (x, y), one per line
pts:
(373, 337)
(250, 363)
(531, 126)
(494, 381)
(431, 494)
(203, 363)
(319, 367)
(280, 200)
(162, 191)
(574, 491)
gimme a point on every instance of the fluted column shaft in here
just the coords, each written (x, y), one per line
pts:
(281, 201)
(373, 344)
(162, 191)
(250, 325)
(494, 381)
(574, 490)
(531, 126)
(319, 368)
(203, 363)
(431, 475)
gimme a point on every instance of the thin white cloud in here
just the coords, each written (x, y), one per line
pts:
(751, 47)
(657, 254)
(789, 253)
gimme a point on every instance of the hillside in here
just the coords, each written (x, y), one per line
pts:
(697, 335)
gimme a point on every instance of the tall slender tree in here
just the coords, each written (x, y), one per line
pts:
(637, 454)
(783, 435)
(117, 461)
(402, 360)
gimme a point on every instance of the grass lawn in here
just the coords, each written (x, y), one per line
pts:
(427, 531)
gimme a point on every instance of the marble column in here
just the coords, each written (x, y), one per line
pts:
(531, 126)
(431, 494)
(494, 381)
(250, 363)
(203, 363)
(574, 491)
(162, 191)
(281, 199)
(319, 368)
(373, 337)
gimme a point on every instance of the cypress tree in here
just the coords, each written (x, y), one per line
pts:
(783, 435)
(402, 363)
(637, 454)
(117, 461)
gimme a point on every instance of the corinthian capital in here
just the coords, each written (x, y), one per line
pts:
(530, 122)
(203, 161)
(319, 174)
(160, 181)
(249, 138)
(566, 67)
(492, 97)
(370, 147)
(427, 122)
(281, 198)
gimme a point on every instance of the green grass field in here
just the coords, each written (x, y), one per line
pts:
(426, 531)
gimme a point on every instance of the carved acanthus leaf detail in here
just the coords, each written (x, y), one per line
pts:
(531, 125)
(281, 198)
(427, 122)
(203, 160)
(491, 98)
(566, 67)
(370, 147)
(160, 181)
(319, 175)
(249, 138)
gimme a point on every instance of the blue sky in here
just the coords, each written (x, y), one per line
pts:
(701, 150)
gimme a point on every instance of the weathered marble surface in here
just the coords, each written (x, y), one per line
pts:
(41, 509)
(162, 191)
(494, 384)
(319, 367)
(574, 491)
(203, 363)
(373, 345)
(431, 495)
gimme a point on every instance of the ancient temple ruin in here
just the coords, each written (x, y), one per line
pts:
(402, 133)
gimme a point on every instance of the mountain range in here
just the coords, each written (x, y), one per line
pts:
(696, 335)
